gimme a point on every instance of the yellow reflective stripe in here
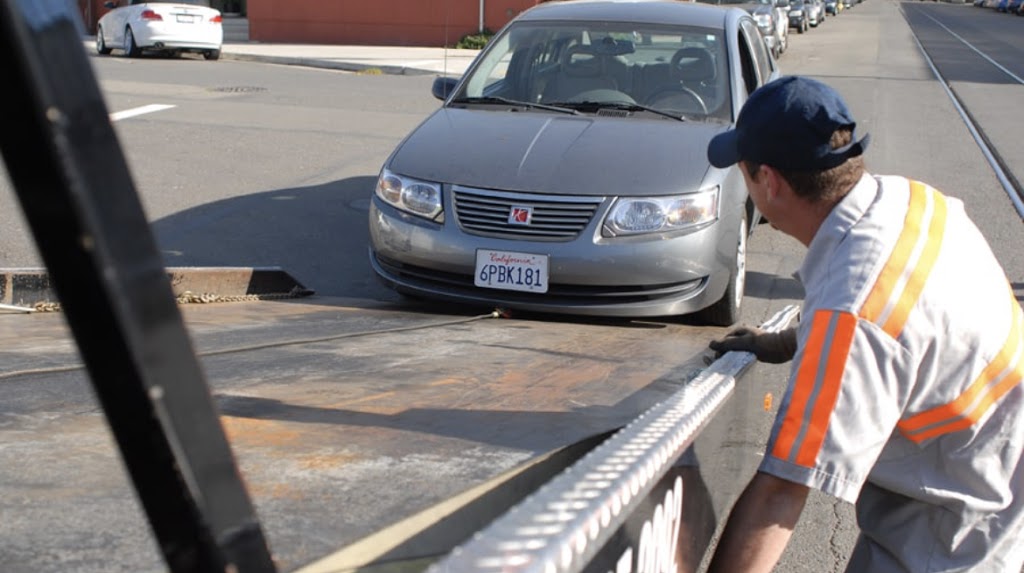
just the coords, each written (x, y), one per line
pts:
(919, 276)
(889, 303)
(887, 280)
(995, 380)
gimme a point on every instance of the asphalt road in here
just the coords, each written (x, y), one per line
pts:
(262, 165)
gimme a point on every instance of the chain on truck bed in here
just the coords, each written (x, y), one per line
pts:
(189, 297)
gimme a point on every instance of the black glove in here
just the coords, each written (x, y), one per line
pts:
(771, 347)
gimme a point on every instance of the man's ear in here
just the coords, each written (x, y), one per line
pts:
(772, 180)
(756, 175)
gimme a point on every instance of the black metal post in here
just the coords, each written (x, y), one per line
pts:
(75, 188)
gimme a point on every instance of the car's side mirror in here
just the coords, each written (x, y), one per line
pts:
(443, 86)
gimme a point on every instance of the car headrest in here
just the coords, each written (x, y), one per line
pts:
(693, 65)
(581, 61)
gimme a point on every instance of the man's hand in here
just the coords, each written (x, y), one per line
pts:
(771, 347)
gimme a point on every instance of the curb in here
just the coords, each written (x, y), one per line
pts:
(308, 62)
(326, 64)
(31, 286)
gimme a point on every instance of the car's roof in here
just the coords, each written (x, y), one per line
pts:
(638, 11)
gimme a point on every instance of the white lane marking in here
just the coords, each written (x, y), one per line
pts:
(139, 111)
(979, 52)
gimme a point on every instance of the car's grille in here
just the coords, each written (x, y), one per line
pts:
(554, 217)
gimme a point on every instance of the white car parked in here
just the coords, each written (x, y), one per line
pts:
(170, 27)
(816, 12)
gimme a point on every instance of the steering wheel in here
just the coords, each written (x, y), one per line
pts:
(668, 94)
(704, 63)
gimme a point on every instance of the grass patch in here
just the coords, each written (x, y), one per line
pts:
(474, 41)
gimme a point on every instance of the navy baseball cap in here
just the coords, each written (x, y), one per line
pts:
(788, 123)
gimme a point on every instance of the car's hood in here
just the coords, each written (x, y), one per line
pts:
(554, 153)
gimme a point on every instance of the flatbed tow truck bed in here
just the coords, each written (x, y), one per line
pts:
(346, 418)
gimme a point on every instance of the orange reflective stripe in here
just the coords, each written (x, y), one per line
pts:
(806, 377)
(972, 417)
(887, 280)
(816, 388)
(959, 414)
(915, 284)
(842, 338)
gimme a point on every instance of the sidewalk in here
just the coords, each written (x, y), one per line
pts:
(382, 59)
(377, 59)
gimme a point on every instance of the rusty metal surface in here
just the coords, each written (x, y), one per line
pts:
(31, 286)
(344, 419)
(568, 525)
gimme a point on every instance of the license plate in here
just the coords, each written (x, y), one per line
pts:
(511, 271)
(186, 18)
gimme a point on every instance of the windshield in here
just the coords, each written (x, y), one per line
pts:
(677, 70)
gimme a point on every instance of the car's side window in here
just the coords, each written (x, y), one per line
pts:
(751, 78)
(759, 50)
(491, 69)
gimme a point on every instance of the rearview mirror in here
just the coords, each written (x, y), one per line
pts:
(609, 46)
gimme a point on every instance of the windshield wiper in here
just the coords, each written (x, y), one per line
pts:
(512, 102)
(593, 106)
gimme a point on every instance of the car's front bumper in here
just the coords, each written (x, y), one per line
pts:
(590, 275)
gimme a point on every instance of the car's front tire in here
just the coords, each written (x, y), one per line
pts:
(726, 312)
(212, 55)
(101, 43)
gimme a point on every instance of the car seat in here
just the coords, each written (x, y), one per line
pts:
(580, 70)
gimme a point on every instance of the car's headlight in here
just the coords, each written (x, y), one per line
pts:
(636, 215)
(421, 198)
(762, 19)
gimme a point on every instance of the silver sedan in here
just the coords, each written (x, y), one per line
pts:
(567, 170)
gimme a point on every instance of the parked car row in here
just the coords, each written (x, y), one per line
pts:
(806, 14)
(1005, 6)
(775, 18)
(772, 20)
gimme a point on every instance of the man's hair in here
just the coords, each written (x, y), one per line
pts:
(826, 185)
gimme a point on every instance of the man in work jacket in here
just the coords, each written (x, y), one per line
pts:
(904, 395)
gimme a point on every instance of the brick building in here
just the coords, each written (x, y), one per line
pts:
(361, 22)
